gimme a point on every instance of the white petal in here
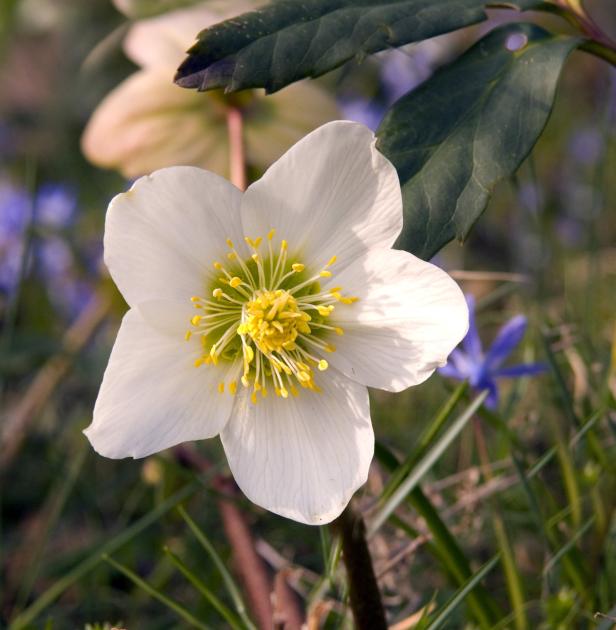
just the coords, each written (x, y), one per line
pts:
(408, 319)
(331, 194)
(162, 236)
(152, 397)
(164, 39)
(147, 122)
(302, 457)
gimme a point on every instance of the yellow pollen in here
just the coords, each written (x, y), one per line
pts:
(266, 330)
(268, 322)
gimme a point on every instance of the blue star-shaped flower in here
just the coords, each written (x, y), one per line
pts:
(481, 369)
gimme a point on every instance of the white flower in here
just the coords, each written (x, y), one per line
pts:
(262, 316)
(147, 122)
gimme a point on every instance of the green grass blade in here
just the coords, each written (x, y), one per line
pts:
(424, 465)
(512, 576)
(231, 619)
(93, 559)
(230, 584)
(425, 440)
(444, 546)
(568, 546)
(459, 596)
(156, 594)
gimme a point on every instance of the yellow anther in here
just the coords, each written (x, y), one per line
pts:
(188, 335)
(284, 245)
(271, 234)
(325, 310)
(253, 398)
(263, 392)
(303, 377)
(330, 348)
(323, 365)
(194, 298)
(325, 274)
(217, 293)
(298, 267)
(233, 387)
(332, 260)
(249, 241)
(255, 257)
(218, 266)
(349, 300)
(284, 393)
(235, 282)
(294, 391)
(230, 243)
(257, 241)
(195, 320)
(231, 255)
(245, 381)
(339, 331)
(249, 354)
(199, 362)
(335, 290)
(221, 387)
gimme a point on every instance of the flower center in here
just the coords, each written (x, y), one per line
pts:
(273, 321)
(269, 319)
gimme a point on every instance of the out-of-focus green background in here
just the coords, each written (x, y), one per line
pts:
(545, 248)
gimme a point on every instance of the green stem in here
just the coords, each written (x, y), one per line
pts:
(599, 50)
(366, 604)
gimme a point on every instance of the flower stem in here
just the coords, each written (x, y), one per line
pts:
(366, 604)
(237, 155)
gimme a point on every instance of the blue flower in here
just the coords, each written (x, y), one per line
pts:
(15, 211)
(482, 369)
(56, 205)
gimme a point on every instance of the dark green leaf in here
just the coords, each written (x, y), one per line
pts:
(293, 39)
(466, 128)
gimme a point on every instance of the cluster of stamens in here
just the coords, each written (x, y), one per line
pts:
(270, 318)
